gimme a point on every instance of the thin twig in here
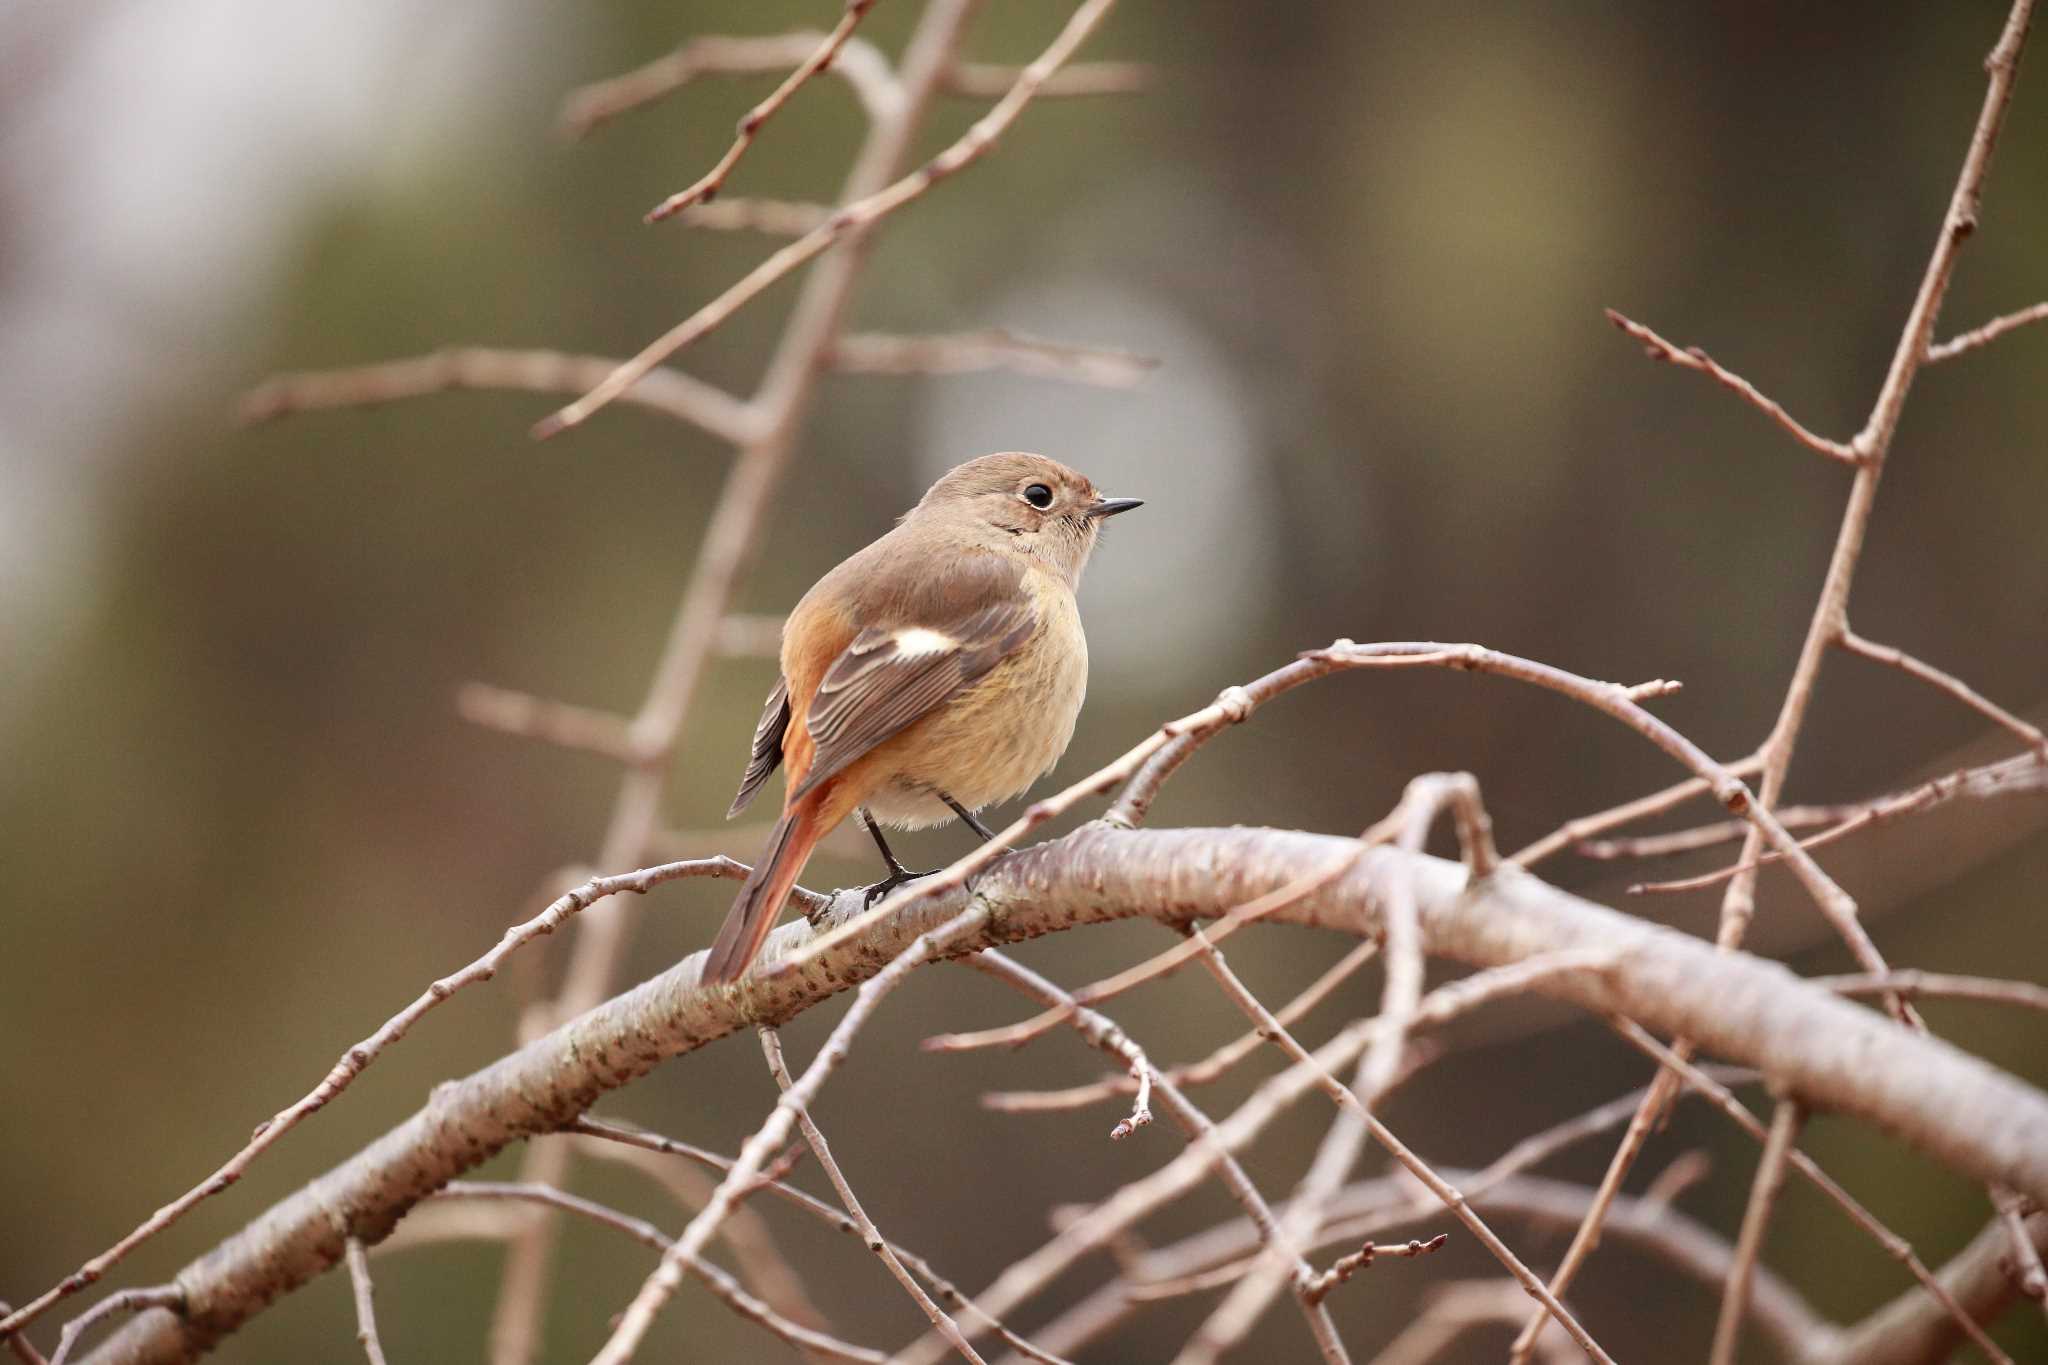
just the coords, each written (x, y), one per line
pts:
(1682, 1070)
(1159, 964)
(18, 1345)
(994, 348)
(1693, 358)
(127, 1301)
(1786, 1120)
(1210, 1068)
(771, 1049)
(1835, 904)
(1946, 985)
(1377, 1207)
(602, 1134)
(1451, 1310)
(988, 80)
(2019, 775)
(1707, 836)
(754, 637)
(1344, 1267)
(723, 1286)
(353, 1062)
(857, 62)
(729, 543)
(668, 392)
(855, 217)
(1628, 812)
(772, 217)
(1201, 1131)
(2029, 734)
(662, 1284)
(1451, 1197)
(555, 722)
(1990, 331)
(366, 1308)
(708, 185)
(1424, 798)
(1829, 623)
(1915, 1328)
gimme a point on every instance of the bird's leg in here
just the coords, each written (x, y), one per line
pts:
(965, 814)
(898, 873)
(972, 823)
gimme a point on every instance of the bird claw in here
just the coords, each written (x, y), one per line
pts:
(891, 882)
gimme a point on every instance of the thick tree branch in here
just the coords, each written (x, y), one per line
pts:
(1824, 1051)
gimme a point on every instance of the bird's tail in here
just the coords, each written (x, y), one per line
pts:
(755, 909)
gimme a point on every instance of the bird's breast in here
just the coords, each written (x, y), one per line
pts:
(994, 739)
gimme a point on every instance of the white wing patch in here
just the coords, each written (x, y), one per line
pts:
(920, 640)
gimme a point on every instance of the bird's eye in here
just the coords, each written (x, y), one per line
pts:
(1039, 496)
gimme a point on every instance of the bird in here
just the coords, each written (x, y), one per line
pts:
(938, 671)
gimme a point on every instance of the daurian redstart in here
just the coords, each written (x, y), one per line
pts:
(937, 671)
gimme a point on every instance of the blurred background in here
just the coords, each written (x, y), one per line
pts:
(241, 824)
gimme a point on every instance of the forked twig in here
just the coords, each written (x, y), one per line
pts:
(1989, 332)
(1693, 358)
(708, 185)
(366, 1308)
(854, 218)
(1786, 1120)
(771, 1048)
(353, 1062)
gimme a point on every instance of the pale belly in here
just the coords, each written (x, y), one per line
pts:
(992, 741)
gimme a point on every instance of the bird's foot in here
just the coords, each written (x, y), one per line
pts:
(889, 883)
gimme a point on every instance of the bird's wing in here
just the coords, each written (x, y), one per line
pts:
(890, 676)
(767, 752)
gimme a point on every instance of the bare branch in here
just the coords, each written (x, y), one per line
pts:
(994, 348)
(1450, 1311)
(863, 68)
(752, 637)
(1158, 965)
(1763, 1197)
(722, 1285)
(988, 80)
(1344, 1267)
(729, 543)
(165, 1296)
(771, 1048)
(1708, 836)
(366, 1310)
(2029, 735)
(601, 1134)
(1377, 1207)
(1628, 812)
(353, 1062)
(853, 219)
(1918, 1328)
(1897, 1247)
(1197, 1073)
(668, 392)
(1202, 1133)
(1835, 904)
(18, 1345)
(555, 722)
(1911, 983)
(662, 1284)
(1979, 1121)
(1693, 358)
(1990, 331)
(708, 185)
(772, 217)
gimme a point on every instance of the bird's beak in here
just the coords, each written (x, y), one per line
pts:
(1109, 507)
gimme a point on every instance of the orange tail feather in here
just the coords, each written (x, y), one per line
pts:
(755, 910)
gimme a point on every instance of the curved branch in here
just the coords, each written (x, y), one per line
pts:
(1830, 1054)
